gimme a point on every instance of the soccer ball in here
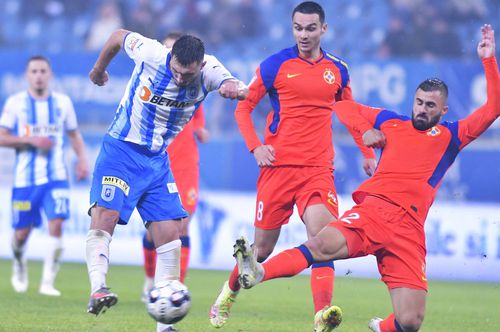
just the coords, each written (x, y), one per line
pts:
(169, 301)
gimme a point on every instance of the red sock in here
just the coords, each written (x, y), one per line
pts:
(184, 262)
(389, 324)
(322, 278)
(285, 264)
(233, 280)
(149, 262)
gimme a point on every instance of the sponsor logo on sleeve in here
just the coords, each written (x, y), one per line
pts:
(117, 182)
(132, 42)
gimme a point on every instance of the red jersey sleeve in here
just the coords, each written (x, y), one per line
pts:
(358, 119)
(345, 93)
(256, 91)
(199, 118)
(476, 123)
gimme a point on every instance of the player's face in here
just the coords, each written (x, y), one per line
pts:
(38, 75)
(307, 31)
(183, 75)
(428, 108)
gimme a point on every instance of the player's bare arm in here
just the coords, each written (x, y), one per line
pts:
(11, 141)
(374, 138)
(82, 165)
(233, 89)
(264, 155)
(486, 47)
(98, 75)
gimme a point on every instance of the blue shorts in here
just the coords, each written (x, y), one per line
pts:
(27, 203)
(128, 176)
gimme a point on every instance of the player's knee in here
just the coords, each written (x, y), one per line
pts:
(319, 249)
(262, 252)
(410, 321)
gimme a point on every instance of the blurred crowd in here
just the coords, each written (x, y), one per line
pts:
(358, 28)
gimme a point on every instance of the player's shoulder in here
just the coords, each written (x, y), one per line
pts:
(336, 60)
(278, 58)
(18, 96)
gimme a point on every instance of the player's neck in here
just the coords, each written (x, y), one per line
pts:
(39, 94)
(312, 55)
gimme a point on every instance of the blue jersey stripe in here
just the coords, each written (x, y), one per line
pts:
(275, 103)
(173, 116)
(50, 155)
(386, 115)
(270, 67)
(340, 64)
(33, 152)
(129, 104)
(449, 156)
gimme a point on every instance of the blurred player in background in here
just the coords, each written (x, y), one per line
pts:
(34, 122)
(388, 220)
(184, 163)
(296, 159)
(132, 169)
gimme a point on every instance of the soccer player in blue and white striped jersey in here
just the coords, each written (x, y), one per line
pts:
(34, 123)
(132, 169)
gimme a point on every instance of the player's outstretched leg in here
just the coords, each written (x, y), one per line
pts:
(250, 271)
(219, 312)
(374, 324)
(327, 319)
(101, 300)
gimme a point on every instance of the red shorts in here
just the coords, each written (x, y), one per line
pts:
(280, 188)
(381, 228)
(187, 181)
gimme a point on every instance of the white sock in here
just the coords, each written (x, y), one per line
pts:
(97, 251)
(168, 267)
(168, 261)
(52, 260)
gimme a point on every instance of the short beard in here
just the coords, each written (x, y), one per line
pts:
(421, 124)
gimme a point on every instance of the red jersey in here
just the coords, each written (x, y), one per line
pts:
(183, 151)
(413, 162)
(302, 94)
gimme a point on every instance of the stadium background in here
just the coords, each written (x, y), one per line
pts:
(390, 47)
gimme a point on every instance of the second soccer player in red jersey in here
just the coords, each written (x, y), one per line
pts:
(303, 82)
(388, 220)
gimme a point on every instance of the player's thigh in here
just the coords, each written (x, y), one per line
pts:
(56, 200)
(329, 244)
(317, 188)
(161, 200)
(26, 206)
(275, 197)
(187, 180)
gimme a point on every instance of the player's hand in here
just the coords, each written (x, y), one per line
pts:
(82, 169)
(201, 134)
(374, 138)
(486, 47)
(98, 77)
(369, 166)
(233, 89)
(264, 155)
(42, 143)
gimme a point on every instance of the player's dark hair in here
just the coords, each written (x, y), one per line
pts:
(434, 84)
(38, 57)
(310, 7)
(188, 50)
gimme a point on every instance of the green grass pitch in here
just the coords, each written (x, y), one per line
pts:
(278, 305)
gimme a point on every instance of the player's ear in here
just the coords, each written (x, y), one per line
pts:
(324, 27)
(444, 110)
(203, 65)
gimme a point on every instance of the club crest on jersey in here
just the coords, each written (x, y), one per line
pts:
(108, 192)
(434, 131)
(329, 76)
(148, 97)
(192, 92)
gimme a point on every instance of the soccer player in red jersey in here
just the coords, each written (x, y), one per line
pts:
(296, 160)
(388, 220)
(184, 163)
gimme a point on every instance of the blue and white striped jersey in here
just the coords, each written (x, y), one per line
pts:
(154, 109)
(25, 116)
